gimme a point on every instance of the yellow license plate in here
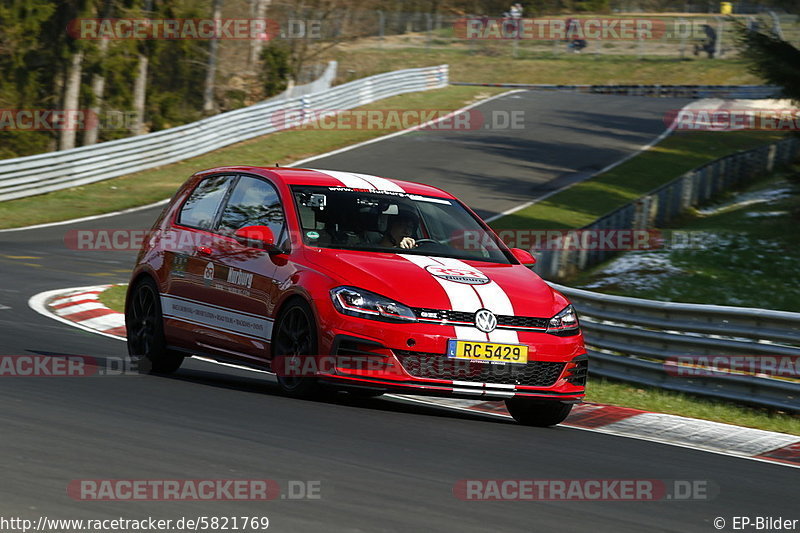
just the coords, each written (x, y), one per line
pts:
(487, 351)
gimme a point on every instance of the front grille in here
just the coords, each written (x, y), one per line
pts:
(438, 366)
(577, 374)
(522, 321)
(503, 321)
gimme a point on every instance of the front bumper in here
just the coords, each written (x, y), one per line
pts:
(410, 358)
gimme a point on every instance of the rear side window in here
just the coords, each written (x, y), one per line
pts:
(254, 202)
(200, 210)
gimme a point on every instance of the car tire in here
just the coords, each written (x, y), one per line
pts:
(144, 323)
(296, 335)
(537, 413)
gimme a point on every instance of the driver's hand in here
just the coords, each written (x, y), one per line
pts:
(407, 242)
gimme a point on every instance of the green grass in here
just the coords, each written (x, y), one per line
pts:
(492, 63)
(156, 184)
(600, 390)
(744, 255)
(114, 297)
(585, 202)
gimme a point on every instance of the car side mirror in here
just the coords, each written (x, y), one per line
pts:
(523, 256)
(257, 237)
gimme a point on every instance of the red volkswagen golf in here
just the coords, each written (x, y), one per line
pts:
(344, 280)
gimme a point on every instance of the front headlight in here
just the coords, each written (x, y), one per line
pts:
(365, 304)
(565, 322)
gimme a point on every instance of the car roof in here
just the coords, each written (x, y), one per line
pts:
(334, 178)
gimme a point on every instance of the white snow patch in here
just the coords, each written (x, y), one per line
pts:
(636, 270)
(744, 199)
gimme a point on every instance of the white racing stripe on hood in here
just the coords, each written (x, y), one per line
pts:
(361, 181)
(494, 299)
(348, 179)
(461, 296)
(381, 184)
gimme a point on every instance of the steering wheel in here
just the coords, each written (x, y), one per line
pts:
(426, 241)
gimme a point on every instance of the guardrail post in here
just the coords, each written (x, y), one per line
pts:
(563, 262)
(305, 105)
(644, 216)
(652, 212)
(771, 157)
(554, 264)
(583, 257)
(699, 186)
(675, 203)
(687, 194)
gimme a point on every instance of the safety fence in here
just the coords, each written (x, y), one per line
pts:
(658, 91)
(41, 173)
(666, 203)
(679, 346)
(733, 353)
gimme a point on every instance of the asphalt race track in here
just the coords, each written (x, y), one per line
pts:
(383, 465)
(565, 138)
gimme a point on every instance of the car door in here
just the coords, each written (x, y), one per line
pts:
(189, 248)
(243, 276)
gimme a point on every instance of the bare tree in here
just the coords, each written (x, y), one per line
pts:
(98, 90)
(98, 87)
(211, 71)
(71, 98)
(140, 84)
(140, 94)
(258, 10)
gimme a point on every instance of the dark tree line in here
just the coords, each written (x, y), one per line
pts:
(136, 86)
(42, 66)
(772, 58)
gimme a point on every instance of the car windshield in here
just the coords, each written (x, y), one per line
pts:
(398, 222)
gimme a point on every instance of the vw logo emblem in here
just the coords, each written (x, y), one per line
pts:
(485, 320)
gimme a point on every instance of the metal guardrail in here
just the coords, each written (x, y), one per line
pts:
(652, 343)
(658, 91)
(638, 340)
(41, 173)
(666, 203)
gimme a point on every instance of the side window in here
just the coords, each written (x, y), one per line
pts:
(254, 202)
(200, 209)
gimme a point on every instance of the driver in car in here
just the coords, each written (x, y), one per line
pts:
(401, 227)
